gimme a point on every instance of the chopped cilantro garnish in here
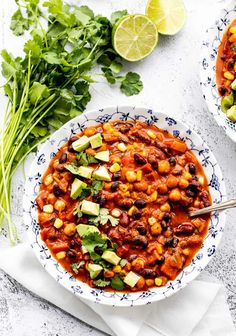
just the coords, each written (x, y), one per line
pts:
(76, 266)
(117, 283)
(86, 159)
(103, 218)
(102, 283)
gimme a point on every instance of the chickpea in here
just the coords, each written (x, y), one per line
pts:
(70, 229)
(51, 198)
(162, 189)
(175, 195)
(138, 264)
(140, 284)
(156, 229)
(183, 183)
(163, 167)
(131, 176)
(59, 205)
(150, 282)
(172, 182)
(89, 131)
(141, 186)
(165, 207)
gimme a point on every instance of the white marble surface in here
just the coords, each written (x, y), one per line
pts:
(171, 84)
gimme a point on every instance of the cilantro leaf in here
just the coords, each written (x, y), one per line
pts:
(85, 192)
(102, 283)
(131, 85)
(116, 16)
(117, 283)
(97, 186)
(72, 167)
(18, 23)
(86, 159)
(94, 239)
(76, 266)
(103, 218)
(77, 211)
(37, 92)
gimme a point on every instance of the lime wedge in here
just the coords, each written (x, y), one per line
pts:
(134, 37)
(168, 15)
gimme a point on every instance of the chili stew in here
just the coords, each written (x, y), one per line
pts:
(114, 203)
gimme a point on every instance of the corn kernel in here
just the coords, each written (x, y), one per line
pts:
(116, 213)
(153, 196)
(201, 180)
(117, 269)
(48, 180)
(61, 255)
(186, 251)
(149, 190)
(59, 205)
(150, 282)
(156, 228)
(164, 167)
(123, 187)
(131, 176)
(158, 282)
(159, 249)
(232, 30)
(58, 223)
(48, 208)
(183, 183)
(131, 210)
(165, 207)
(151, 220)
(115, 168)
(187, 175)
(139, 175)
(228, 75)
(70, 229)
(228, 83)
(151, 134)
(121, 146)
(107, 127)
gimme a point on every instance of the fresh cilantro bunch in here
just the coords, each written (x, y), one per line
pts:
(50, 84)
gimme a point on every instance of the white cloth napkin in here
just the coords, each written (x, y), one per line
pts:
(199, 309)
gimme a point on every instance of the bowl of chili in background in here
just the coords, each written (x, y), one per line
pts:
(149, 234)
(217, 69)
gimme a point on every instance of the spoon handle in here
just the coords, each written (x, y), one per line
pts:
(221, 206)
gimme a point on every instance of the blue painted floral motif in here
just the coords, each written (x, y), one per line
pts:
(171, 121)
(211, 250)
(41, 159)
(214, 182)
(176, 133)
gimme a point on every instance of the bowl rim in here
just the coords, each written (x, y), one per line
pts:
(112, 300)
(214, 34)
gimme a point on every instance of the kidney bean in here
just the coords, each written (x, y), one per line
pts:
(61, 168)
(222, 90)
(72, 139)
(71, 149)
(124, 219)
(142, 135)
(63, 158)
(148, 273)
(230, 64)
(139, 159)
(116, 176)
(153, 160)
(125, 203)
(140, 203)
(185, 228)
(71, 254)
(57, 191)
(123, 127)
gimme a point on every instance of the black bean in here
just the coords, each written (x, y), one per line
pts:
(148, 273)
(230, 64)
(141, 230)
(72, 244)
(140, 241)
(192, 168)
(71, 254)
(172, 161)
(166, 217)
(171, 241)
(163, 225)
(61, 168)
(136, 214)
(99, 199)
(140, 203)
(98, 250)
(160, 261)
(114, 186)
(116, 176)
(139, 159)
(124, 219)
(222, 90)
(57, 191)
(63, 158)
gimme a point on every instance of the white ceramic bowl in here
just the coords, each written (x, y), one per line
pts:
(40, 164)
(210, 47)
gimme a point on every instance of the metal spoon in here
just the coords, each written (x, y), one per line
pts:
(222, 206)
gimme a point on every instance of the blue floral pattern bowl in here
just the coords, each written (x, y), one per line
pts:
(40, 164)
(210, 47)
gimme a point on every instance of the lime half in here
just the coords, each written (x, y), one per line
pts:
(134, 37)
(168, 15)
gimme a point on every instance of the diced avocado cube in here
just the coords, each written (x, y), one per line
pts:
(96, 140)
(85, 172)
(85, 229)
(81, 144)
(111, 257)
(233, 85)
(94, 270)
(227, 102)
(103, 156)
(76, 188)
(231, 113)
(90, 208)
(131, 279)
(102, 174)
(83, 249)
